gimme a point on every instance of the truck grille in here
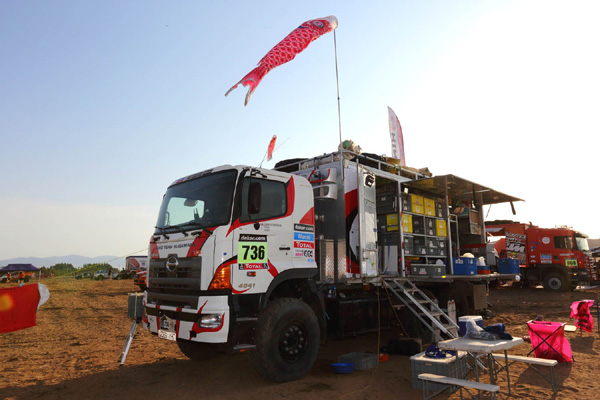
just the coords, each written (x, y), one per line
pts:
(180, 288)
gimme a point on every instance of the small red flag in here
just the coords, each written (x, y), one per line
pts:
(271, 148)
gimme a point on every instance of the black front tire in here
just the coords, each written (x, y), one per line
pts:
(197, 351)
(287, 340)
(555, 282)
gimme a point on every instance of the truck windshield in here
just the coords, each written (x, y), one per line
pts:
(199, 203)
(582, 244)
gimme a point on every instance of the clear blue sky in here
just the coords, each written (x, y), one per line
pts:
(103, 104)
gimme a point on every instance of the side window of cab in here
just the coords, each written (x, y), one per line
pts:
(563, 242)
(270, 199)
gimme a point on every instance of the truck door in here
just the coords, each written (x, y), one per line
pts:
(263, 240)
(367, 219)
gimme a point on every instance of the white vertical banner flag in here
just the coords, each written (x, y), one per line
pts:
(396, 137)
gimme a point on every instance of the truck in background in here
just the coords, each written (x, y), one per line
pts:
(139, 279)
(274, 261)
(559, 258)
(135, 263)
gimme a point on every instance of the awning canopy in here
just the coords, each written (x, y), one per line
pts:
(19, 267)
(459, 189)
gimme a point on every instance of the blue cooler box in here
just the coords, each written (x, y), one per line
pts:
(464, 266)
(462, 322)
(508, 266)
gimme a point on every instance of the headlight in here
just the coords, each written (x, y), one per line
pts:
(210, 321)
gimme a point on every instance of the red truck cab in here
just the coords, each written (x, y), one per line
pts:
(557, 257)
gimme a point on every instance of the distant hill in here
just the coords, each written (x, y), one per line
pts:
(76, 260)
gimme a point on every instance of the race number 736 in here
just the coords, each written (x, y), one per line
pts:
(252, 253)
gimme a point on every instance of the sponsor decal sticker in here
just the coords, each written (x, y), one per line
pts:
(304, 245)
(546, 258)
(253, 266)
(252, 249)
(309, 237)
(304, 228)
(174, 246)
(305, 253)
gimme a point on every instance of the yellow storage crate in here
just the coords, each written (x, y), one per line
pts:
(392, 222)
(440, 228)
(428, 202)
(416, 208)
(430, 211)
(416, 199)
(407, 226)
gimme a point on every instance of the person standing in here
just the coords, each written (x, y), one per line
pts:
(21, 276)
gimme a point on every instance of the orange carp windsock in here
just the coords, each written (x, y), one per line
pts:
(286, 50)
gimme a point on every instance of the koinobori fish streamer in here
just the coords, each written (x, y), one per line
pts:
(286, 50)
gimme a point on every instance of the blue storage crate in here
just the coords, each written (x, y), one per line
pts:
(508, 266)
(464, 266)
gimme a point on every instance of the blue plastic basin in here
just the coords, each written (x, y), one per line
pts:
(343, 368)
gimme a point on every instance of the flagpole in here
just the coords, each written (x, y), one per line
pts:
(337, 81)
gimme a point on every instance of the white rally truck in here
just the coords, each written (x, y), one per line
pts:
(247, 258)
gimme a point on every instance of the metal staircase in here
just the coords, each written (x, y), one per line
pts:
(425, 309)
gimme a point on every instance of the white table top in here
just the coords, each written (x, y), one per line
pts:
(479, 346)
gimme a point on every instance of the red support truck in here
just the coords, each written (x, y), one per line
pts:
(557, 257)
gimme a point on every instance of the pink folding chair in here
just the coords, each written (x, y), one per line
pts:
(548, 341)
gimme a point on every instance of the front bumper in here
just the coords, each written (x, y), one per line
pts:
(185, 321)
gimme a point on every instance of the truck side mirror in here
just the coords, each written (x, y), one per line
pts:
(254, 197)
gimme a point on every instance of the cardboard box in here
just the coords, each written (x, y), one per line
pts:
(416, 199)
(429, 211)
(392, 222)
(441, 228)
(428, 202)
(416, 208)
(407, 223)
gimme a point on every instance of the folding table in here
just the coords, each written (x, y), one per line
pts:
(477, 347)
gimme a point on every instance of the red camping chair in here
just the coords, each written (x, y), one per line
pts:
(548, 341)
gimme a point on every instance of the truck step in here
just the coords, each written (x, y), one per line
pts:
(244, 347)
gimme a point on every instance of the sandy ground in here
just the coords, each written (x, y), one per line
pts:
(73, 354)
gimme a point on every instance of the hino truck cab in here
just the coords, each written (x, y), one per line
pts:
(232, 257)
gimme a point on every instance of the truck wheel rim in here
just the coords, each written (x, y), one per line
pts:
(554, 283)
(293, 341)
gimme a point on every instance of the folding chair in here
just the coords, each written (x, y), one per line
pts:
(548, 341)
(581, 311)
